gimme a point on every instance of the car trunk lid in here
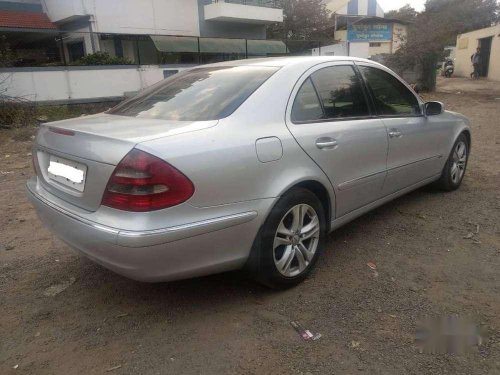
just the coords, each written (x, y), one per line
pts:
(74, 159)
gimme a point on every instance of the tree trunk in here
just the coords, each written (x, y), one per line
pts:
(428, 78)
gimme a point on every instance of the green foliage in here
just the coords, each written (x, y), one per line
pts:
(16, 113)
(303, 20)
(7, 57)
(102, 58)
(67, 111)
(405, 14)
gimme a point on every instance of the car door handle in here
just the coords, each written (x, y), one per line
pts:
(326, 143)
(395, 133)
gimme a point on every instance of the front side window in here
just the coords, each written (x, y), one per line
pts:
(340, 92)
(392, 98)
(197, 95)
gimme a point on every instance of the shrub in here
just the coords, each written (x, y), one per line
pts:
(102, 58)
(16, 113)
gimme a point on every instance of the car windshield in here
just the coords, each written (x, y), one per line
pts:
(200, 94)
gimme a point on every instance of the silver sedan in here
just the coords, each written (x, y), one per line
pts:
(245, 164)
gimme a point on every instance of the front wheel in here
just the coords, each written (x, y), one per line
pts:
(456, 165)
(290, 241)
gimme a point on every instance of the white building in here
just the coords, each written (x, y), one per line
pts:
(130, 24)
(361, 29)
(156, 37)
(355, 7)
(140, 29)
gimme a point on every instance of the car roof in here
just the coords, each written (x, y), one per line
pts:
(289, 61)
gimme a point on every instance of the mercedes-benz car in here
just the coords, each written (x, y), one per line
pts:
(241, 165)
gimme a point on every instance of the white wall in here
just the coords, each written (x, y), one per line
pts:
(339, 49)
(385, 47)
(172, 17)
(337, 6)
(223, 11)
(341, 7)
(359, 49)
(60, 9)
(77, 84)
(466, 46)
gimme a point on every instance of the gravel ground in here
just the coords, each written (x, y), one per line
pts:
(62, 314)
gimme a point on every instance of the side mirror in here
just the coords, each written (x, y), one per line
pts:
(434, 108)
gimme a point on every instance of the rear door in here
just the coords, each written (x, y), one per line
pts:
(330, 118)
(413, 140)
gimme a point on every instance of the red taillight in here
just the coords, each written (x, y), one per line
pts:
(142, 182)
(62, 131)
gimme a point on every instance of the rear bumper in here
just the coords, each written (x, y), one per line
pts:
(183, 251)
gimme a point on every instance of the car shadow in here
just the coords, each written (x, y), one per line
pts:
(221, 289)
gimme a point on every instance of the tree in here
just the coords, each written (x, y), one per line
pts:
(405, 14)
(303, 20)
(438, 26)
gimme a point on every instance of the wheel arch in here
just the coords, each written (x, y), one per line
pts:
(314, 186)
(318, 189)
(468, 135)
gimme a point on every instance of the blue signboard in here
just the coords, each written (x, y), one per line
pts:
(369, 33)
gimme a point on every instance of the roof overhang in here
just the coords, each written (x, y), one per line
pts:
(25, 20)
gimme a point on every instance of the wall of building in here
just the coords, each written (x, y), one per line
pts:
(359, 49)
(58, 10)
(81, 84)
(367, 49)
(466, 46)
(339, 49)
(228, 29)
(337, 6)
(355, 7)
(154, 17)
(21, 5)
(399, 35)
(169, 17)
(378, 48)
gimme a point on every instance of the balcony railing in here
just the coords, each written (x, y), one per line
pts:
(256, 3)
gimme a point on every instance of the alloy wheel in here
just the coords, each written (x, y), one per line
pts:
(296, 240)
(459, 161)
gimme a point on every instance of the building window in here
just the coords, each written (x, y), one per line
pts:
(375, 44)
(76, 51)
(118, 46)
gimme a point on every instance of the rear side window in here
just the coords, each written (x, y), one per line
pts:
(197, 95)
(307, 106)
(392, 98)
(340, 92)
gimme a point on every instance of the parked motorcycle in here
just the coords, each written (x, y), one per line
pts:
(448, 68)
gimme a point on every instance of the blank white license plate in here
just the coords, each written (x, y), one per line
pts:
(67, 172)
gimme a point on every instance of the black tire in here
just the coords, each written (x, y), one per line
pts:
(262, 259)
(446, 181)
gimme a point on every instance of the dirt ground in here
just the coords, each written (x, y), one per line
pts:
(226, 324)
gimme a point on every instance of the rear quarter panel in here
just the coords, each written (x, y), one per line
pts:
(222, 161)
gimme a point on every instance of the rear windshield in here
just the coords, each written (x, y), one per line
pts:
(200, 94)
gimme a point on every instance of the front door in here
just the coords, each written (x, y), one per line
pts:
(485, 45)
(331, 120)
(413, 140)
